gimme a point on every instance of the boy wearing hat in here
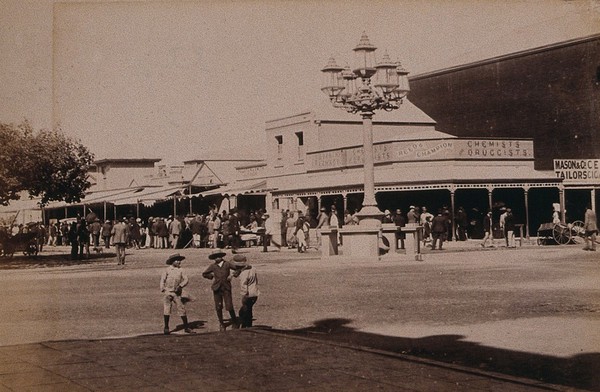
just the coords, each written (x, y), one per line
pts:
(219, 272)
(172, 282)
(249, 289)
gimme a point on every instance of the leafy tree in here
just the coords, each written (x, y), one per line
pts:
(46, 164)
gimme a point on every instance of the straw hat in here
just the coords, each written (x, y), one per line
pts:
(217, 254)
(174, 257)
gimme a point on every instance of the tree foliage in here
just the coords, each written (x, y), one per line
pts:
(46, 164)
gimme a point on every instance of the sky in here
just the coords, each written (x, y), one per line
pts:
(177, 79)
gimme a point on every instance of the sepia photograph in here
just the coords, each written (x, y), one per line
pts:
(307, 196)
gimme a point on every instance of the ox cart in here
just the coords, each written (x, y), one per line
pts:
(560, 233)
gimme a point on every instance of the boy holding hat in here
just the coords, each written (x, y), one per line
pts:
(172, 282)
(249, 288)
(218, 272)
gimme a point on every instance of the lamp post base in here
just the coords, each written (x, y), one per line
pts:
(369, 216)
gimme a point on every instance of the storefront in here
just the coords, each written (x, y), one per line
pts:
(581, 181)
(316, 161)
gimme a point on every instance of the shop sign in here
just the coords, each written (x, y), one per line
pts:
(327, 159)
(494, 149)
(247, 172)
(577, 170)
(425, 150)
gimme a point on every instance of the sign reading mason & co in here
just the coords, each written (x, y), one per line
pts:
(577, 170)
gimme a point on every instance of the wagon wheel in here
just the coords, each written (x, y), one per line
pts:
(578, 231)
(561, 234)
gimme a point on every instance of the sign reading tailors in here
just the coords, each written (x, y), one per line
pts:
(577, 170)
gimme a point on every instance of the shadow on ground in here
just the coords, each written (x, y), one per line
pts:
(52, 260)
(580, 371)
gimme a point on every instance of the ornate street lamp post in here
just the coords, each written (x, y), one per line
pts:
(368, 87)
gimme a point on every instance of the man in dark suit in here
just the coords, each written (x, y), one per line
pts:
(438, 229)
(219, 272)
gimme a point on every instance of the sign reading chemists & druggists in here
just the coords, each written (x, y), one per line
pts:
(577, 170)
(425, 150)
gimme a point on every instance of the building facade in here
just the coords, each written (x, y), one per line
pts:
(550, 94)
(315, 160)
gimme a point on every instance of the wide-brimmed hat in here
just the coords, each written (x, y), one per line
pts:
(217, 254)
(240, 261)
(411, 207)
(174, 257)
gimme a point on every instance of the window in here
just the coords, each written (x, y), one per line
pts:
(279, 140)
(300, 136)
(598, 75)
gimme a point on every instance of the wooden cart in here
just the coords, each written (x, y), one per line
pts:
(560, 233)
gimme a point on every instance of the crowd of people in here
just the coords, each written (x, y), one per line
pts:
(232, 229)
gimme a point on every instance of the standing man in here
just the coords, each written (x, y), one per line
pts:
(234, 227)
(106, 233)
(83, 237)
(322, 221)
(290, 229)
(400, 222)
(438, 229)
(151, 226)
(591, 229)
(334, 221)
(120, 237)
(219, 272)
(73, 236)
(283, 227)
(162, 232)
(412, 216)
(387, 217)
(509, 228)
(488, 228)
(461, 224)
(269, 227)
(174, 231)
(95, 229)
(172, 282)
(53, 230)
(249, 289)
(502, 220)
(425, 220)
(301, 231)
(216, 230)
(196, 227)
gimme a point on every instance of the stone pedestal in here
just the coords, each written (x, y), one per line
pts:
(388, 231)
(361, 242)
(329, 242)
(412, 242)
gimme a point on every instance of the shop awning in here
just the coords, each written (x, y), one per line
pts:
(404, 176)
(240, 188)
(149, 196)
(97, 197)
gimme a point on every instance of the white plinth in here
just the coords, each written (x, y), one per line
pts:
(361, 242)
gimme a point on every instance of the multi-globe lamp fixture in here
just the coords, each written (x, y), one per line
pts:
(368, 87)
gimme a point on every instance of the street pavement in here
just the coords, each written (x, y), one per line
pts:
(237, 360)
(257, 359)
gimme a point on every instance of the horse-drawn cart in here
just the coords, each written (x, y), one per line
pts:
(21, 242)
(560, 233)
